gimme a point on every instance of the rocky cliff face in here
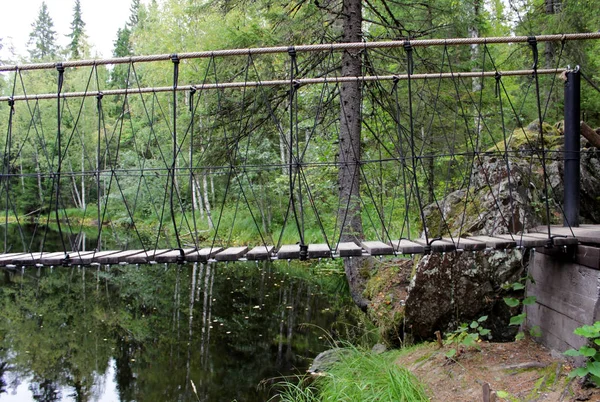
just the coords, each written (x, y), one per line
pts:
(506, 196)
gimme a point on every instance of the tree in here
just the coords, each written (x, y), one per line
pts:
(78, 45)
(42, 39)
(134, 13)
(349, 146)
(123, 45)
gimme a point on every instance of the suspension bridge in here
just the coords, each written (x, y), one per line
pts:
(135, 167)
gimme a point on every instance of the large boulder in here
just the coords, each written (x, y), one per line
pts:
(454, 288)
(505, 196)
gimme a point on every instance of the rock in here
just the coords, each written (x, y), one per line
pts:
(378, 348)
(459, 287)
(507, 196)
(503, 196)
(325, 360)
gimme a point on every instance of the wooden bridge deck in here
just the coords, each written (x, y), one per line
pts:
(586, 234)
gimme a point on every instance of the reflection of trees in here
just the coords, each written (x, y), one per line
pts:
(3, 367)
(45, 390)
(64, 328)
(123, 371)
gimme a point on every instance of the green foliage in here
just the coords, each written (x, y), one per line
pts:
(359, 376)
(78, 46)
(513, 302)
(42, 39)
(591, 353)
(466, 336)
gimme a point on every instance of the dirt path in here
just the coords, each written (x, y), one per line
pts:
(523, 369)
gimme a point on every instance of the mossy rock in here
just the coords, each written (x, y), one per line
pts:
(528, 138)
(387, 290)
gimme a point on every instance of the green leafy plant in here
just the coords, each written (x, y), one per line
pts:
(591, 353)
(465, 336)
(519, 319)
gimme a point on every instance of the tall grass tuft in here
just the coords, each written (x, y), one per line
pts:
(359, 375)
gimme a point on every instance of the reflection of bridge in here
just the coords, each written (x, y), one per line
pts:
(564, 238)
(167, 168)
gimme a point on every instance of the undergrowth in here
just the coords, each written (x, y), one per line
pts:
(359, 375)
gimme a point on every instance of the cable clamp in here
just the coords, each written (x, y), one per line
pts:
(292, 52)
(60, 68)
(498, 77)
(408, 48)
(181, 257)
(99, 95)
(65, 261)
(192, 90)
(303, 252)
(175, 58)
(532, 41)
(11, 101)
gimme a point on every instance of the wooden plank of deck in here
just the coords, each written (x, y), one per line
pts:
(115, 258)
(261, 253)
(148, 257)
(442, 246)
(56, 258)
(524, 240)
(319, 251)
(289, 252)
(377, 247)
(557, 241)
(172, 256)
(204, 254)
(494, 242)
(6, 259)
(466, 244)
(438, 246)
(404, 246)
(348, 249)
(27, 259)
(231, 254)
(83, 258)
(589, 234)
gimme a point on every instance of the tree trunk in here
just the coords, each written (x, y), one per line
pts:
(349, 148)
(206, 202)
(282, 156)
(550, 7)
(82, 177)
(21, 170)
(75, 192)
(475, 81)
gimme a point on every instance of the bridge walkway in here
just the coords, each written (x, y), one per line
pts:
(561, 238)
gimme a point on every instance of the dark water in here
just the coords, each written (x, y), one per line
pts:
(218, 332)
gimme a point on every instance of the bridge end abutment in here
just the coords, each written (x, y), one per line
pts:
(567, 291)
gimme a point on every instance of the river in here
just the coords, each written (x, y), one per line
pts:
(205, 332)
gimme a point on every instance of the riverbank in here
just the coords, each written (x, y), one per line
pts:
(517, 371)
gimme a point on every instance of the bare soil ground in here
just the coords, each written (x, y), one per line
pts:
(523, 369)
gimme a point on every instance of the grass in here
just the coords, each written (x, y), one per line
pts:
(360, 375)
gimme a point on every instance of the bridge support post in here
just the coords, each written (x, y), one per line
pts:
(572, 127)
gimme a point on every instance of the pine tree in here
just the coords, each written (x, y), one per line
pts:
(123, 46)
(42, 39)
(134, 16)
(78, 38)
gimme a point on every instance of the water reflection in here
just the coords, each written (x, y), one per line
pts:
(205, 332)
